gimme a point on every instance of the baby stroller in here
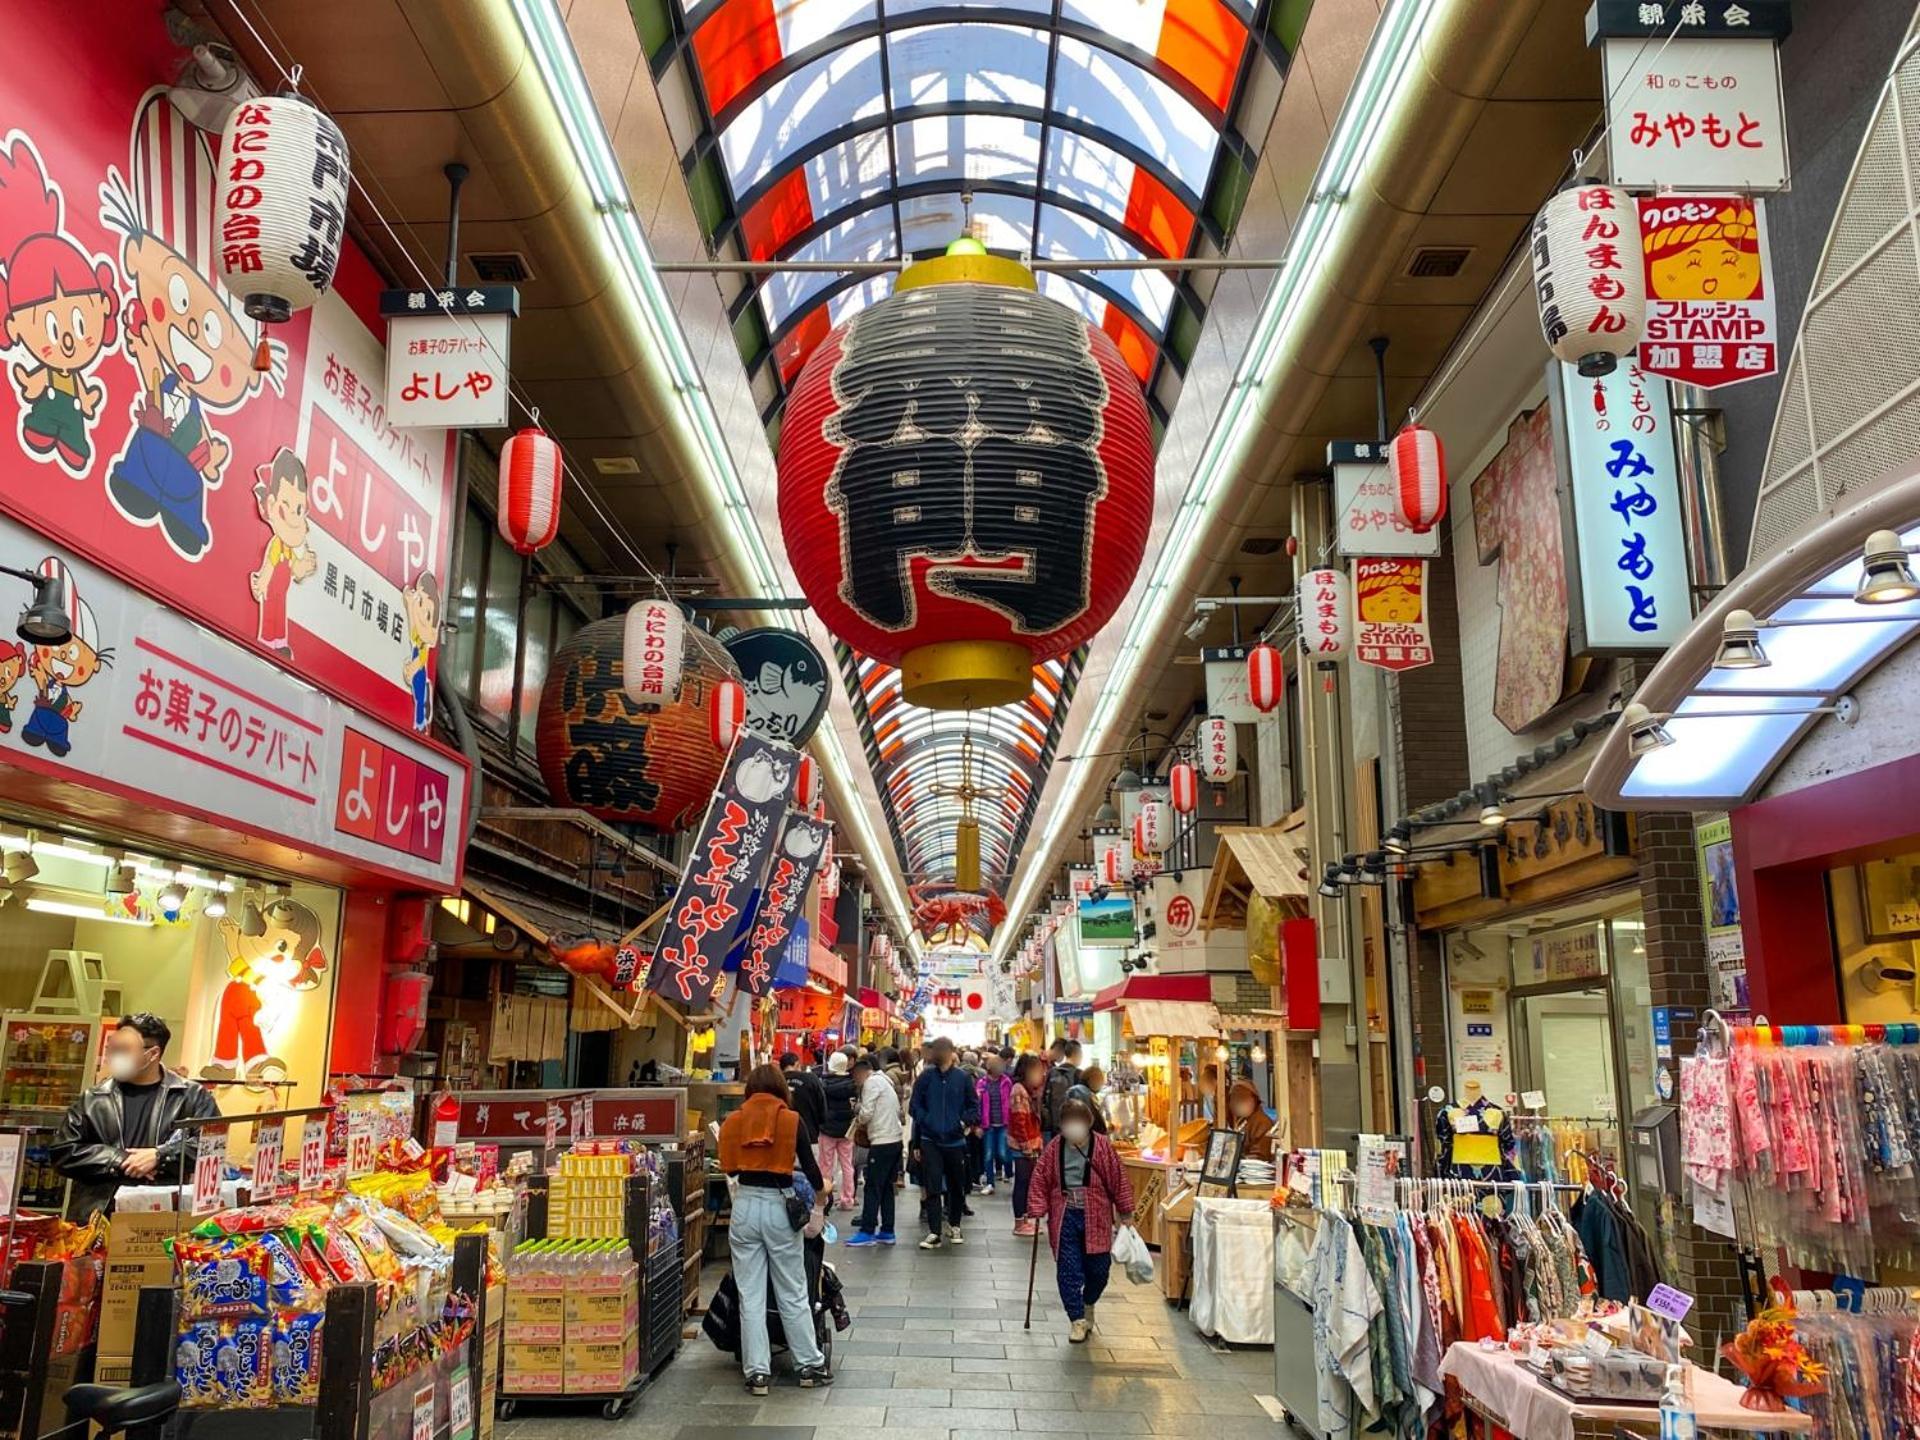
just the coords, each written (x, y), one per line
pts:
(722, 1324)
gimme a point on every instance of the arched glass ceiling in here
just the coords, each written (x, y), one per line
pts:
(879, 129)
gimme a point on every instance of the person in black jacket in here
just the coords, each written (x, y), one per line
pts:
(126, 1130)
(945, 1110)
(1062, 1077)
(836, 1137)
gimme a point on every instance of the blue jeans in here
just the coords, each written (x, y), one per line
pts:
(999, 1162)
(1082, 1277)
(766, 1247)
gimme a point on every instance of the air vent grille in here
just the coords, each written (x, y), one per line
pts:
(1437, 262)
(501, 267)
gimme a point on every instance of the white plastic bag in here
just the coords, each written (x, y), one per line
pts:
(1130, 1253)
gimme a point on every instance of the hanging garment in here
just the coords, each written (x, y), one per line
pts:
(1344, 1303)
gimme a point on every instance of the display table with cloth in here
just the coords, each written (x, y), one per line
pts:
(1500, 1389)
(1233, 1270)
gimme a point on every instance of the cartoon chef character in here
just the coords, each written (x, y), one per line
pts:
(59, 670)
(273, 954)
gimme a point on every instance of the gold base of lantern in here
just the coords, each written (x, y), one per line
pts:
(966, 674)
(956, 269)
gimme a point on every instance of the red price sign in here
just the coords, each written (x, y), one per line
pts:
(269, 1151)
(577, 1120)
(359, 1143)
(209, 1169)
(313, 1153)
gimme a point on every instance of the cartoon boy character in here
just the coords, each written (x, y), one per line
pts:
(1715, 259)
(280, 494)
(59, 670)
(57, 305)
(192, 351)
(273, 954)
(423, 634)
(13, 664)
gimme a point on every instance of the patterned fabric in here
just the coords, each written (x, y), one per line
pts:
(1344, 1302)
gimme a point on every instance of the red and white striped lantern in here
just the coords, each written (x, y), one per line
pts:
(1266, 678)
(1219, 750)
(1111, 862)
(726, 713)
(1418, 465)
(1183, 787)
(529, 490)
(1152, 828)
(809, 784)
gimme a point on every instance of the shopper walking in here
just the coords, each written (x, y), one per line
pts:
(944, 1109)
(1064, 1075)
(996, 1104)
(836, 1129)
(1023, 1135)
(877, 1124)
(760, 1146)
(1082, 1189)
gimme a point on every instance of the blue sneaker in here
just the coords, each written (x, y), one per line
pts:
(859, 1238)
(885, 1237)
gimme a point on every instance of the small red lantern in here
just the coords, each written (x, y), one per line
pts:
(530, 473)
(1183, 787)
(1266, 678)
(808, 783)
(727, 712)
(1418, 464)
(1113, 863)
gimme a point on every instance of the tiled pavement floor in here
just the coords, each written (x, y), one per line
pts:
(937, 1352)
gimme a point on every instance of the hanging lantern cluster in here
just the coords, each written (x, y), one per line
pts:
(655, 639)
(280, 206)
(912, 455)
(1418, 466)
(1326, 614)
(529, 497)
(1152, 828)
(1266, 678)
(1218, 747)
(1183, 787)
(1588, 276)
(726, 714)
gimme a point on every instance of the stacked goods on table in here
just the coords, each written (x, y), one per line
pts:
(587, 1195)
(573, 1318)
(474, 1191)
(80, 1251)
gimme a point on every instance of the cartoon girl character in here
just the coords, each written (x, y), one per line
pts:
(423, 634)
(273, 953)
(57, 304)
(192, 350)
(59, 670)
(280, 494)
(1712, 259)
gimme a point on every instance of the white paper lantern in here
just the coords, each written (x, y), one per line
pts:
(1266, 678)
(280, 205)
(1326, 614)
(651, 651)
(1219, 750)
(1418, 465)
(1152, 828)
(1588, 277)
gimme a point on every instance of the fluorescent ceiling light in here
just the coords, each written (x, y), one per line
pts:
(85, 912)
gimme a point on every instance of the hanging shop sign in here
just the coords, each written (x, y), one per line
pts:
(1178, 897)
(1695, 114)
(727, 862)
(1228, 695)
(1370, 519)
(786, 681)
(1326, 614)
(145, 704)
(1081, 881)
(1390, 614)
(989, 571)
(603, 753)
(802, 842)
(1627, 590)
(279, 506)
(447, 355)
(1587, 281)
(1640, 20)
(1709, 274)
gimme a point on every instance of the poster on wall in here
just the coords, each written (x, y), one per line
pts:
(1720, 894)
(1516, 525)
(1390, 613)
(281, 507)
(1709, 274)
(1107, 921)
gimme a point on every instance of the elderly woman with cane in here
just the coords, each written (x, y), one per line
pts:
(1082, 1189)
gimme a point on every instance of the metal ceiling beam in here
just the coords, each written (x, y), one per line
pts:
(894, 267)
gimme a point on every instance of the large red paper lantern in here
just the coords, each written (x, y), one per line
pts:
(1418, 464)
(530, 471)
(1266, 678)
(966, 480)
(1183, 787)
(602, 753)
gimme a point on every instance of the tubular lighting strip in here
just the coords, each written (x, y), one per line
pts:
(626, 243)
(1377, 92)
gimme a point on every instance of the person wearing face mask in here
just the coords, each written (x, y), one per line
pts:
(126, 1130)
(1082, 1189)
(1246, 1115)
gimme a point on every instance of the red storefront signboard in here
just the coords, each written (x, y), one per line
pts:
(282, 508)
(1710, 308)
(504, 1116)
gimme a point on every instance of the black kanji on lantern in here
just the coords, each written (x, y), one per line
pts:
(971, 418)
(608, 765)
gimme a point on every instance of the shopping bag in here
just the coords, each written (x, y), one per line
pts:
(1130, 1253)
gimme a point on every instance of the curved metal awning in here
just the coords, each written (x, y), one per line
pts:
(878, 130)
(1819, 641)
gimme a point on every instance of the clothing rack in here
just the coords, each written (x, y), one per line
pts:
(1872, 1300)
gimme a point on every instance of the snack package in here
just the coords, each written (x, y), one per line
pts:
(372, 1244)
(247, 1220)
(193, 1363)
(288, 1285)
(222, 1277)
(296, 1358)
(404, 1235)
(342, 1256)
(243, 1364)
